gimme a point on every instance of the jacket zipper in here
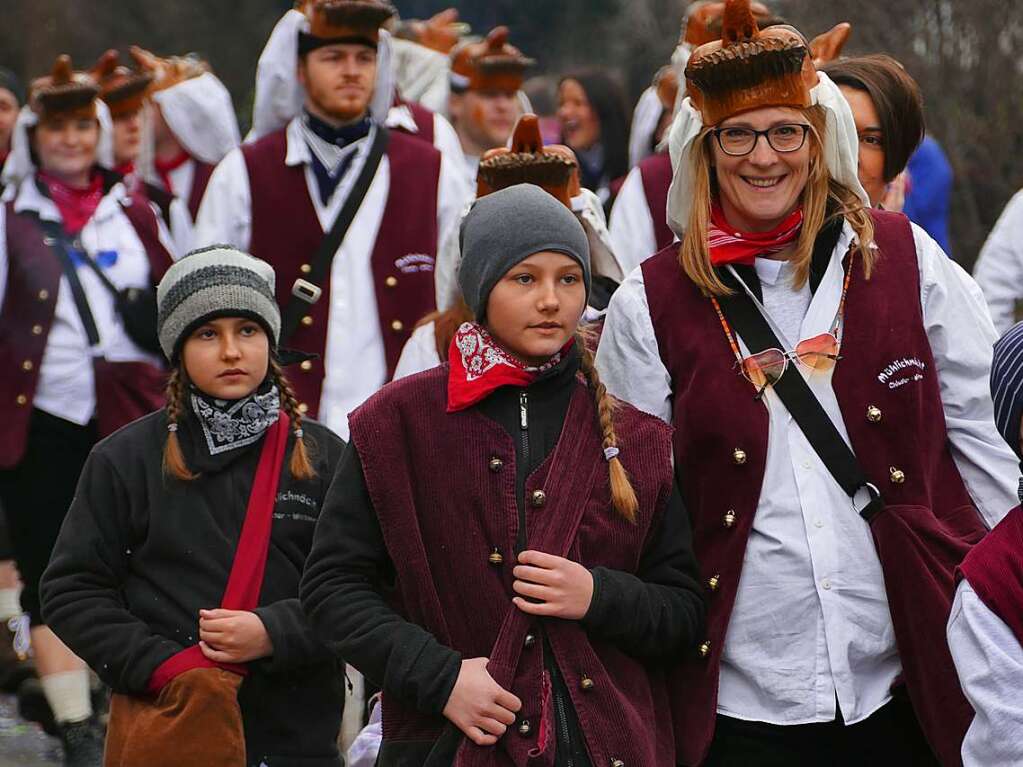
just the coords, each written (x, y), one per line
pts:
(563, 734)
(520, 539)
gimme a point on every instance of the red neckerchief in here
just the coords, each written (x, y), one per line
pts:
(76, 205)
(165, 167)
(730, 246)
(479, 366)
(125, 168)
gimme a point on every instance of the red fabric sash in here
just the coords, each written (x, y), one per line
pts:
(246, 578)
(730, 246)
(76, 205)
(478, 366)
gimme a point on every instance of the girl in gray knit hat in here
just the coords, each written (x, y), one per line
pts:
(176, 573)
(503, 546)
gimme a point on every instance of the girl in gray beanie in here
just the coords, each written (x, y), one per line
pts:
(489, 543)
(176, 573)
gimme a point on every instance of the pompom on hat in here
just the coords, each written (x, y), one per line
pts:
(217, 281)
(489, 64)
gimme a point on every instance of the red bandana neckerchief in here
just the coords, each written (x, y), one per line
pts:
(479, 366)
(730, 246)
(76, 205)
(165, 167)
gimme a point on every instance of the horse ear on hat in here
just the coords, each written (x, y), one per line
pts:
(554, 168)
(123, 90)
(491, 64)
(64, 92)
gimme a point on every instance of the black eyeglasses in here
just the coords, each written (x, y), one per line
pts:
(738, 142)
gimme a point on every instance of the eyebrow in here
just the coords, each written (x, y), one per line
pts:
(774, 124)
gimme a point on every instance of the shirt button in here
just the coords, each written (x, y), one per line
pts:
(826, 584)
(818, 522)
(806, 464)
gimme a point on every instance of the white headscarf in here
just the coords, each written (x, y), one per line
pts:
(279, 94)
(841, 149)
(19, 165)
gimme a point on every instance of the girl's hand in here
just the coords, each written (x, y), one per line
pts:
(479, 706)
(233, 636)
(564, 588)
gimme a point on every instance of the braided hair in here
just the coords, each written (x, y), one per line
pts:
(623, 495)
(301, 466)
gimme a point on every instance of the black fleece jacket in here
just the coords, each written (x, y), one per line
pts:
(140, 554)
(653, 614)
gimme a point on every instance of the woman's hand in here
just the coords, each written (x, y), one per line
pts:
(479, 706)
(895, 195)
(233, 636)
(563, 588)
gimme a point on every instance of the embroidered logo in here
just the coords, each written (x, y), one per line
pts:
(290, 496)
(415, 262)
(902, 371)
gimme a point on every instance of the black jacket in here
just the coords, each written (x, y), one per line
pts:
(141, 553)
(653, 615)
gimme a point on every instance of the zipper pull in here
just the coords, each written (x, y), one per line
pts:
(523, 410)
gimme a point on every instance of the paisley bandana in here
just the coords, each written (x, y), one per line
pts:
(478, 366)
(228, 425)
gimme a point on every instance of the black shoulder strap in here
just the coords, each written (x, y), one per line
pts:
(57, 240)
(795, 394)
(307, 290)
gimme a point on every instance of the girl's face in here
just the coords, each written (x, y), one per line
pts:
(227, 358)
(871, 142)
(580, 126)
(758, 190)
(535, 308)
(66, 146)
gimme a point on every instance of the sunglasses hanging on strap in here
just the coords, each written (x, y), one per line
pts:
(741, 312)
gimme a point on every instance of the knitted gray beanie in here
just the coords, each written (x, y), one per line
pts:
(507, 227)
(218, 281)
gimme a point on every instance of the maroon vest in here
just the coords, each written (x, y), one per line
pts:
(286, 233)
(33, 279)
(423, 118)
(443, 513)
(921, 537)
(655, 171)
(994, 569)
(200, 180)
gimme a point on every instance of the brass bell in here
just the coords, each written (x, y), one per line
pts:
(586, 683)
(525, 728)
(739, 456)
(705, 649)
(874, 414)
(538, 499)
(898, 476)
(495, 557)
(713, 581)
(730, 518)
(530, 640)
(617, 763)
(496, 464)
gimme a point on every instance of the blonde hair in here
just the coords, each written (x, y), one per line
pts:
(174, 464)
(623, 495)
(694, 255)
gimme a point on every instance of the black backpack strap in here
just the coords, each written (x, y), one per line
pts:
(306, 292)
(57, 240)
(822, 434)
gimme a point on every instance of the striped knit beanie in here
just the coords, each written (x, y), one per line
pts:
(1007, 385)
(213, 282)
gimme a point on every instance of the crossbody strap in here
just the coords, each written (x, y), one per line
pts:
(57, 240)
(307, 292)
(801, 402)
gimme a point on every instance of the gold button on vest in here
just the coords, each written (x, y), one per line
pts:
(897, 476)
(397, 326)
(730, 518)
(391, 282)
(739, 456)
(874, 414)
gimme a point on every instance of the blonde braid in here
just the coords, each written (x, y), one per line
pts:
(623, 495)
(301, 466)
(173, 459)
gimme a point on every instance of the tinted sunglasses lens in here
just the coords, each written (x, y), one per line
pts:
(819, 352)
(765, 369)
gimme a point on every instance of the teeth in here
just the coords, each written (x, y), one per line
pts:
(762, 182)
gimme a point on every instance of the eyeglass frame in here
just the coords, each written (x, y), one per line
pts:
(765, 133)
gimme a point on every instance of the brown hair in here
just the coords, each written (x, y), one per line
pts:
(897, 99)
(174, 464)
(623, 495)
(694, 255)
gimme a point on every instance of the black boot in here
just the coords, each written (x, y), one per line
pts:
(83, 743)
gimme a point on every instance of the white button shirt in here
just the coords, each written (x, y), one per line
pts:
(811, 622)
(354, 361)
(66, 387)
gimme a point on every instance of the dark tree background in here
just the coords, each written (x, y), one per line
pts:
(966, 56)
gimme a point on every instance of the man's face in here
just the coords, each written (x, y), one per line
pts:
(487, 118)
(339, 80)
(8, 116)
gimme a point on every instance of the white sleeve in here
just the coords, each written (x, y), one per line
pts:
(632, 227)
(962, 339)
(419, 352)
(446, 278)
(445, 140)
(452, 198)
(989, 661)
(181, 231)
(225, 215)
(628, 359)
(999, 268)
